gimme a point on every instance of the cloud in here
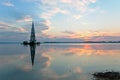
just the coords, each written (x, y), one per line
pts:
(42, 27)
(105, 38)
(66, 1)
(4, 25)
(77, 16)
(12, 32)
(15, 31)
(7, 3)
(68, 32)
(25, 19)
(49, 13)
(93, 1)
(54, 7)
(49, 9)
(10, 36)
(79, 5)
(102, 11)
(10, 27)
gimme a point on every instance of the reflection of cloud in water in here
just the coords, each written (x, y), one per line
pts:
(85, 50)
(12, 49)
(77, 70)
(47, 58)
(43, 60)
(49, 74)
(18, 68)
(27, 68)
(89, 52)
(6, 60)
(48, 61)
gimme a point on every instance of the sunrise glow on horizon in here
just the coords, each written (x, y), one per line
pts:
(60, 20)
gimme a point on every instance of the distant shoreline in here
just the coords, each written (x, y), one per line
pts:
(65, 42)
(87, 42)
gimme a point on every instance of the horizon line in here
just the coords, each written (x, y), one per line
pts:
(67, 42)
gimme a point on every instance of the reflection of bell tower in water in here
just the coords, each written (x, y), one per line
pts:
(32, 51)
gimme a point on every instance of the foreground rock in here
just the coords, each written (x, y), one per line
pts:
(107, 75)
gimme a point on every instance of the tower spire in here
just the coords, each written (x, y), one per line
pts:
(32, 40)
(32, 37)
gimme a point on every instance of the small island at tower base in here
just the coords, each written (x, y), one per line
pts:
(30, 43)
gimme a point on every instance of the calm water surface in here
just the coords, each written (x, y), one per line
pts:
(57, 61)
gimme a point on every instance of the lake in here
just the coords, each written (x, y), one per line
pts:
(57, 61)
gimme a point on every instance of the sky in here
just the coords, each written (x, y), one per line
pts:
(60, 20)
